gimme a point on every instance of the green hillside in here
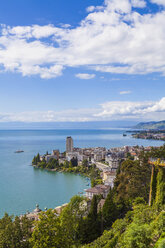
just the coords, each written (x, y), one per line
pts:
(151, 125)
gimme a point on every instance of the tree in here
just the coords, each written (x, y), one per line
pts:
(34, 161)
(85, 162)
(71, 218)
(52, 164)
(74, 162)
(91, 226)
(129, 156)
(137, 236)
(132, 181)
(142, 227)
(93, 182)
(47, 232)
(26, 226)
(6, 233)
(160, 243)
(38, 158)
(160, 192)
(109, 211)
(15, 234)
(66, 164)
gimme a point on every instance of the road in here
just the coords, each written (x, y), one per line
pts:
(102, 166)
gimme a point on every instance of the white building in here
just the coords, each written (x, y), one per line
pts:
(75, 154)
(97, 190)
(109, 177)
(113, 160)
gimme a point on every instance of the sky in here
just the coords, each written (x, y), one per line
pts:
(82, 60)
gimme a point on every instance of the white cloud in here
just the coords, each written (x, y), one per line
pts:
(123, 6)
(90, 8)
(85, 76)
(159, 2)
(138, 3)
(70, 115)
(113, 38)
(125, 92)
(157, 106)
(94, 8)
(123, 108)
(65, 25)
(131, 109)
(113, 110)
(44, 72)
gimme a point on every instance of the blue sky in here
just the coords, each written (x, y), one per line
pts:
(82, 60)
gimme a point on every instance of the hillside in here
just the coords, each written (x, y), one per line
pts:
(151, 125)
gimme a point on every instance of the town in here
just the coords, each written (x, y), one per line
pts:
(150, 134)
(106, 161)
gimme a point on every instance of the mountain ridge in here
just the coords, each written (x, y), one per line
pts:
(151, 125)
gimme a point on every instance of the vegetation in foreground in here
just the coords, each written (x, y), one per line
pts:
(142, 227)
(125, 221)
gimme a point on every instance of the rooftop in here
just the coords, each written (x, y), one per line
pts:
(98, 189)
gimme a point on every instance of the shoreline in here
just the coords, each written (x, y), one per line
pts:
(61, 171)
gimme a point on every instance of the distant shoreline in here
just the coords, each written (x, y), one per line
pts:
(158, 135)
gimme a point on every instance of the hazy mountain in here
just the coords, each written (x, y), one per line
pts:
(151, 125)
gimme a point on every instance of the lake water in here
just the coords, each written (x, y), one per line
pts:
(22, 186)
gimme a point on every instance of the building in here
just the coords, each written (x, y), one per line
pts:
(56, 153)
(75, 154)
(97, 190)
(98, 156)
(34, 215)
(71, 155)
(48, 157)
(108, 178)
(113, 160)
(69, 144)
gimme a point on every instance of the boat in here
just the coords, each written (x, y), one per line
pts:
(19, 151)
(124, 134)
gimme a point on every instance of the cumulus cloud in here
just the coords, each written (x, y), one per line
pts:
(65, 25)
(123, 108)
(70, 115)
(113, 110)
(113, 38)
(94, 8)
(125, 92)
(157, 106)
(159, 2)
(85, 76)
(132, 109)
(138, 3)
(90, 8)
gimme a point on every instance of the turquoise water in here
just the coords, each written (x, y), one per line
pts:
(22, 186)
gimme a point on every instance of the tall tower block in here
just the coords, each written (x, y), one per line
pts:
(69, 144)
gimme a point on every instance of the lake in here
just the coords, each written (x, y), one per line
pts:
(22, 186)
